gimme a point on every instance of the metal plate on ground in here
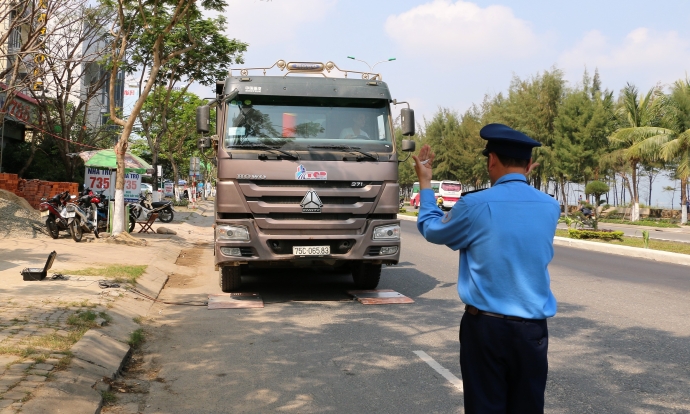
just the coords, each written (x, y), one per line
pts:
(240, 300)
(379, 297)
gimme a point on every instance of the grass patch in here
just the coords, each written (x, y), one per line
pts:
(109, 397)
(85, 319)
(136, 338)
(410, 213)
(55, 342)
(116, 272)
(74, 304)
(16, 350)
(64, 362)
(663, 223)
(661, 245)
(105, 317)
(138, 320)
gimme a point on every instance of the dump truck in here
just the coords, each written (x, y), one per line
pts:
(307, 170)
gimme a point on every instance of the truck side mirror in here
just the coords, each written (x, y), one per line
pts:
(407, 120)
(408, 145)
(203, 116)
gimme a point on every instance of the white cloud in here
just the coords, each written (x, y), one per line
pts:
(644, 55)
(262, 23)
(462, 32)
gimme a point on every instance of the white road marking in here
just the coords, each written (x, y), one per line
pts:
(455, 381)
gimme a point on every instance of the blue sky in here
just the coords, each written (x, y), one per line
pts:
(451, 53)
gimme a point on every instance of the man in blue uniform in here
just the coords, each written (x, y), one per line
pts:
(505, 237)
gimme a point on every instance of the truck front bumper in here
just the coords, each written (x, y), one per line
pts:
(267, 250)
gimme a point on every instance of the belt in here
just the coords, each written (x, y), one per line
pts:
(474, 311)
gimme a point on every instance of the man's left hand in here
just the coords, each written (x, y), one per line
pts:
(422, 166)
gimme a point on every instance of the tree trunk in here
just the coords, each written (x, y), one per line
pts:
(635, 212)
(154, 164)
(565, 198)
(683, 200)
(119, 211)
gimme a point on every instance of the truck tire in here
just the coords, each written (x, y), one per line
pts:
(366, 276)
(230, 279)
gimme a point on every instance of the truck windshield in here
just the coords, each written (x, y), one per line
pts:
(297, 122)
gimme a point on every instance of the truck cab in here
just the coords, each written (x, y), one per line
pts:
(307, 172)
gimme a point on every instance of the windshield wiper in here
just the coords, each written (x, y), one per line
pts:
(266, 147)
(353, 150)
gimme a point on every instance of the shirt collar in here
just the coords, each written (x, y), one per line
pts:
(511, 177)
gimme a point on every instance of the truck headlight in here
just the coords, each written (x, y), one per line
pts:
(232, 233)
(388, 232)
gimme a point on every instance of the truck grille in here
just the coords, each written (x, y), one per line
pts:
(298, 200)
(276, 204)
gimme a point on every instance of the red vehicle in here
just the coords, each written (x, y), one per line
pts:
(52, 209)
(414, 199)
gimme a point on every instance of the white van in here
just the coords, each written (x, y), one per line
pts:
(451, 192)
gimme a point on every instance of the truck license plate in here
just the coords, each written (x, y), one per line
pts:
(311, 250)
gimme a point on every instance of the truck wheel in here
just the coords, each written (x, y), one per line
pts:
(230, 279)
(366, 276)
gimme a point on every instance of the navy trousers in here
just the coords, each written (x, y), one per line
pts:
(503, 364)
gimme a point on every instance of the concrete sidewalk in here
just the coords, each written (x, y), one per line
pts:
(42, 370)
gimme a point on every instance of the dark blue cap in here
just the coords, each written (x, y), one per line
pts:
(504, 140)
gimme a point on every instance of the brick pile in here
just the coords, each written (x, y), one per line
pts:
(33, 190)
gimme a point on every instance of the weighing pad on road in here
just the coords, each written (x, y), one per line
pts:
(379, 297)
(241, 300)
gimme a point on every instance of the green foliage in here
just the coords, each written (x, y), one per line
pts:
(595, 234)
(598, 188)
(136, 338)
(645, 238)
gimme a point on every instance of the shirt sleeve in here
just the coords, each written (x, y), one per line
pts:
(452, 229)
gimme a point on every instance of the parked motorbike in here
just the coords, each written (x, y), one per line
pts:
(54, 206)
(145, 208)
(81, 217)
(96, 205)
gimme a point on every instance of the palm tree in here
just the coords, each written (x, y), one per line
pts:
(641, 137)
(677, 118)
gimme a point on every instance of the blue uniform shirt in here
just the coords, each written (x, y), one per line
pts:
(505, 237)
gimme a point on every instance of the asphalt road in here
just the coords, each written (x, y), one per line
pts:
(620, 342)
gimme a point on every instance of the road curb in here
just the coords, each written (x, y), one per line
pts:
(101, 353)
(656, 255)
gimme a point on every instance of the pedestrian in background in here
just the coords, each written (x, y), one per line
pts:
(505, 238)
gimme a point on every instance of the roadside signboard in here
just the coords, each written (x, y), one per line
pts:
(104, 180)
